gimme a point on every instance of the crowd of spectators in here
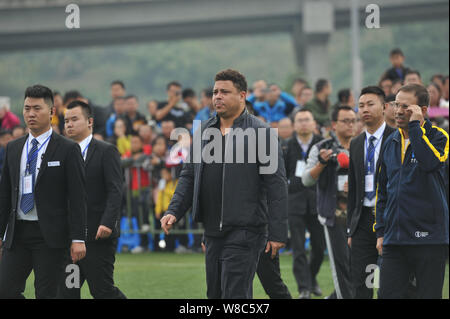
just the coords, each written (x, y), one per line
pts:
(142, 132)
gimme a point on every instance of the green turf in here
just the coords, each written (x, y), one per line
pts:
(181, 276)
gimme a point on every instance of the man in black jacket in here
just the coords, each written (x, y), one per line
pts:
(42, 202)
(243, 205)
(365, 150)
(104, 193)
(302, 207)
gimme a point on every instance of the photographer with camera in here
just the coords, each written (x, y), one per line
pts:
(327, 167)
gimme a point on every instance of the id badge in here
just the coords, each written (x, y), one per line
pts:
(300, 168)
(369, 183)
(342, 179)
(27, 184)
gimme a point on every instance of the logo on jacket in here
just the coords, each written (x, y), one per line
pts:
(421, 234)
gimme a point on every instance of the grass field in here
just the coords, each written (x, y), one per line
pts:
(182, 276)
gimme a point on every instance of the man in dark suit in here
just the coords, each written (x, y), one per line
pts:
(364, 154)
(104, 194)
(42, 202)
(302, 207)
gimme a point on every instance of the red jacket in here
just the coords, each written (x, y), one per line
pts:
(10, 121)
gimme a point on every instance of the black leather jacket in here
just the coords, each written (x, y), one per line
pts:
(250, 200)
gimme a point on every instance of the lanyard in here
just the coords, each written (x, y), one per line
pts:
(84, 151)
(35, 154)
(369, 158)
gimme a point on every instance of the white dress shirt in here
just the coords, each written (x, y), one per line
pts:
(31, 215)
(84, 146)
(377, 143)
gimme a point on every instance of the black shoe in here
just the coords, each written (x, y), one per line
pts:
(304, 295)
(316, 290)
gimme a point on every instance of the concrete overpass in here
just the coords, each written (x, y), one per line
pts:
(40, 24)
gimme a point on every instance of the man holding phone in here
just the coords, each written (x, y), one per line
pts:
(411, 208)
(171, 110)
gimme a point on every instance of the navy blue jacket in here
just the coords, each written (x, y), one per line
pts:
(411, 205)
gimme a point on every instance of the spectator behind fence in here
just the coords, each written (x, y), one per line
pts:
(8, 120)
(445, 93)
(386, 85)
(345, 98)
(235, 234)
(58, 117)
(435, 94)
(413, 77)
(320, 105)
(171, 109)
(117, 90)
(297, 86)
(365, 152)
(120, 138)
(133, 117)
(277, 104)
(18, 131)
(398, 70)
(119, 112)
(302, 207)
(327, 166)
(138, 163)
(104, 193)
(5, 138)
(396, 85)
(411, 208)
(42, 212)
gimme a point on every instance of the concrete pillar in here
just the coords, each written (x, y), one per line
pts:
(311, 38)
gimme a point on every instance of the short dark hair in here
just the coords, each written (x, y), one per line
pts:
(131, 96)
(302, 111)
(72, 95)
(437, 76)
(337, 109)
(413, 72)
(374, 90)
(86, 108)
(173, 83)
(396, 51)
(234, 76)
(208, 92)
(420, 92)
(118, 82)
(299, 80)
(39, 91)
(344, 95)
(390, 98)
(321, 84)
(187, 93)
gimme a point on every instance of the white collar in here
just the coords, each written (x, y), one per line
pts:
(85, 142)
(378, 133)
(41, 138)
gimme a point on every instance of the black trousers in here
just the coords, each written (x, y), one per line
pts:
(97, 269)
(363, 253)
(269, 274)
(231, 263)
(339, 253)
(426, 262)
(30, 252)
(305, 271)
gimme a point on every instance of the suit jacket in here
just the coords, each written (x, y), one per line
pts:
(356, 178)
(104, 187)
(298, 194)
(59, 192)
